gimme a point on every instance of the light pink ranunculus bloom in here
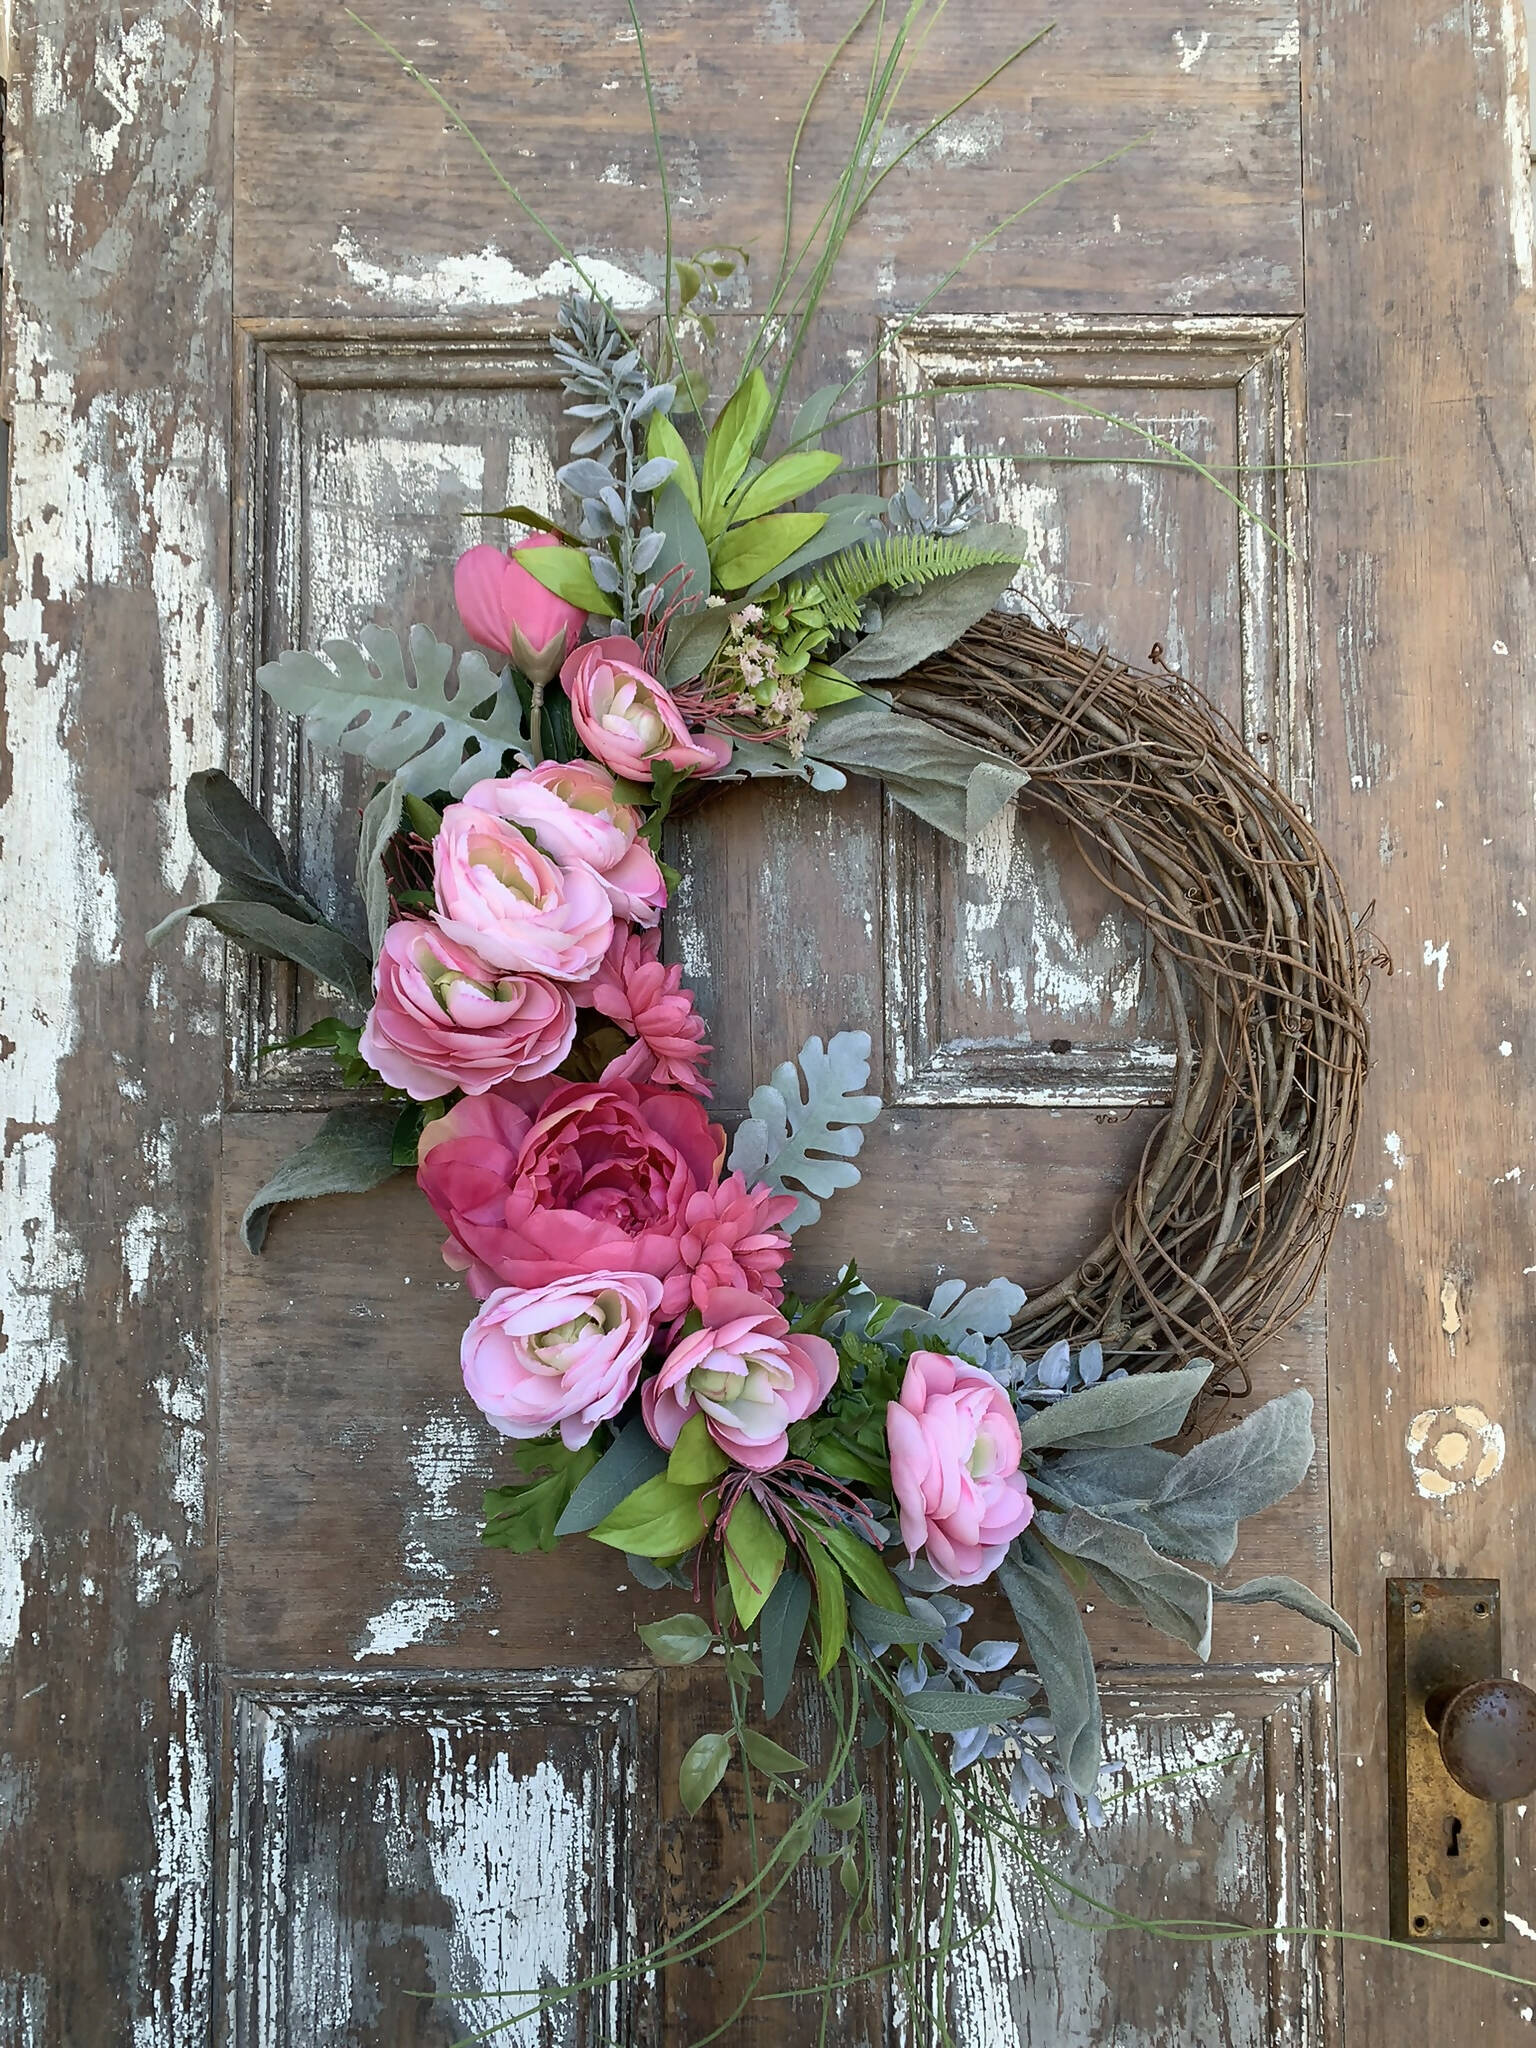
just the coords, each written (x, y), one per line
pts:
(571, 809)
(955, 1451)
(538, 1182)
(746, 1374)
(442, 1019)
(513, 905)
(628, 719)
(505, 608)
(649, 1002)
(567, 1355)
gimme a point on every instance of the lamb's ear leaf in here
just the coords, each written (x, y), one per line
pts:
(319, 948)
(682, 548)
(240, 846)
(948, 783)
(1174, 1599)
(1048, 1618)
(1300, 1599)
(352, 1151)
(1142, 1408)
(693, 640)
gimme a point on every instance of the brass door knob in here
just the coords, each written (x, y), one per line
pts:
(1487, 1734)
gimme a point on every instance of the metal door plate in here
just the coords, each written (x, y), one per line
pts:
(1447, 1848)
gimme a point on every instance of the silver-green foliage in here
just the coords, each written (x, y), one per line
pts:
(356, 695)
(801, 1136)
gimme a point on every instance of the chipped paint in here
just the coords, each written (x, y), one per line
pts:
(438, 1536)
(1453, 1450)
(1450, 1305)
(1439, 958)
(1517, 138)
(486, 280)
(176, 1975)
(1191, 49)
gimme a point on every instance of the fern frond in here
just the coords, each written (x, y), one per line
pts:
(843, 584)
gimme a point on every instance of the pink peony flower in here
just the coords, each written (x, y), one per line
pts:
(627, 719)
(441, 1019)
(570, 808)
(567, 1355)
(731, 1240)
(514, 906)
(955, 1451)
(649, 1002)
(541, 1182)
(505, 608)
(747, 1375)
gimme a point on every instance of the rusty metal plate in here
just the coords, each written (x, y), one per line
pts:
(1447, 1848)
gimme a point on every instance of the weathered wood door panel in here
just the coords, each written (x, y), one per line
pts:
(286, 1753)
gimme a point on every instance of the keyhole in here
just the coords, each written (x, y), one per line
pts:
(1453, 1837)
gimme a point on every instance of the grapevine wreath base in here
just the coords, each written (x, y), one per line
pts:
(1221, 1236)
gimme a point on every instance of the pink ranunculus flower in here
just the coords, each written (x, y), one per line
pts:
(505, 608)
(746, 1374)
(513, 905)
(541, 1182)
(629, 720)
(441, 1019)
(733, 1240)
(567, 1355)
(571, 809)
(649, 1002)
(955, 1451)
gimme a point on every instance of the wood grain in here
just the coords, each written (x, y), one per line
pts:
(1426, 646)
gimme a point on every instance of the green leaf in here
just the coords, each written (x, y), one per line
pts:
(757, 549)
(731, 445)
(426, 820)
(768, 1756)
(696, 1458)
(241, 847)
(949, 783)
(818, 691)
(780, 1628)
(754, 1557)
(864, 1567)
(702, 1769)
(409, 1125)
(812, 417)
(1143, 1408)
(663, 439)
(1174, 1599)
(831, 1606)
(681, 1639)
(523, 1516)
(359, 698)
(330, 1034)
(1300, 1599)
(913, 627)
(568, 573)
(632, 1458)
(659, 1519)
(352, 1151)
(683, 548)
(790, 477)
(809, 1138)
(951, 1713)
(381, 821)
(524, 515)
(1053, 1634)
(852, 517)
(847, 1814)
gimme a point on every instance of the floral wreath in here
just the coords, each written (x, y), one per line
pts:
(823, 1479)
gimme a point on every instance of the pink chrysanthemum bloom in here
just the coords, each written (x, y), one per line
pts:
(649, 1001)
(731, 1239)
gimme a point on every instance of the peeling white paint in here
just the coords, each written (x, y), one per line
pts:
(1453, 1450)
(486, 279)
(446, 1452)
(177, 1979)
(1517, 138)
(1191, 49)
(1438, 957)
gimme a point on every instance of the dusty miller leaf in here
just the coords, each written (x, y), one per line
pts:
(350, 1153)
(358, 697)
(809, 1138)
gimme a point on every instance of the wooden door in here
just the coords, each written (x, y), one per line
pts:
(284, 1748)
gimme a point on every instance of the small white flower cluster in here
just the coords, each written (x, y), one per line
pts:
(766, 696)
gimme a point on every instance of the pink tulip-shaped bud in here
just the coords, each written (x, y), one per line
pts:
(505, 608)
